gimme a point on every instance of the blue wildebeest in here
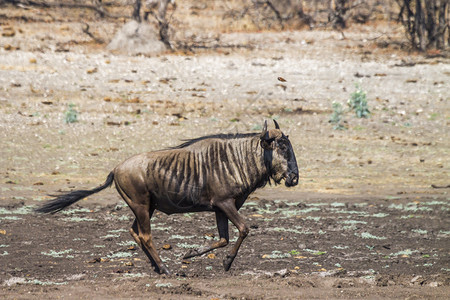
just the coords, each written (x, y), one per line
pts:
(212, 173)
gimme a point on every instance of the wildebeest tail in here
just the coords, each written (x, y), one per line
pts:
(64, 200)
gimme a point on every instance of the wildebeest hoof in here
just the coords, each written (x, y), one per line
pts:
(228, 261)
(192, 253)
(164, 270)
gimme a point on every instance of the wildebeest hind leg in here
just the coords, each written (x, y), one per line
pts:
(222, 225)
(143, 221)
(140, 205)
(134, 233)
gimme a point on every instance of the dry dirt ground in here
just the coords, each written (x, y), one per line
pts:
(364, 220)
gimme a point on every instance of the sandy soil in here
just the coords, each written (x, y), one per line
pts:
(364, 220)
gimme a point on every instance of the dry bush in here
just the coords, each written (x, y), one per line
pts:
(426, 23)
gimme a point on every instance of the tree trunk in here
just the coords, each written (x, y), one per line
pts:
(443, 26)
(137, 11)
(431, 24)
(419, 22)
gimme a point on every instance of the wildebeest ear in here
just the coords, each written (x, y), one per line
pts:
(276, 124)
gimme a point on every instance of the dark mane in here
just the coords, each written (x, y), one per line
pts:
(225, 136)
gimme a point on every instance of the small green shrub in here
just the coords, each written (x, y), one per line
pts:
(358, 103)
(336, 116)
(71, 115)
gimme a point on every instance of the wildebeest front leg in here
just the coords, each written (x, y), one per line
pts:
(222, 226)
(230, 210)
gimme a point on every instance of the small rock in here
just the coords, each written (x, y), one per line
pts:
(95, 260)
(415, 278)
(8, 32)
(434, 284)
(92, 70)
(281, 273)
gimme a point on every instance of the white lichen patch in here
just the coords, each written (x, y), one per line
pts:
(120, 255)
(54, 253)
(366, 235)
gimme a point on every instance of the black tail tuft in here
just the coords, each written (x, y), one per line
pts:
(64, 200)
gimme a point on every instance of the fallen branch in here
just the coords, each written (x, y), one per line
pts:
(440, 186)
(91, 35)
(99, 9)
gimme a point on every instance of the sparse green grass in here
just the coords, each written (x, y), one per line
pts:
(163, 285)
(71, 115)
(350, 212)
(24, 210)
(78, 219)
(277, 255)
(352, 222)
(414, 207)
(337, 204)
(315, 252)
(54, 253)
(39, 282)
(10, 218)
(294, 252)
(316, 219)
(75, 210)
(134, 275)
(120, 255)
(127, 243)
(282, 229)
(436, 203)
(379, 215)
(308, 210)
(357, 103)
(407, 252)
(181, 237)
(109, 236)
(117, 230)
(366, 235)
(340, 247)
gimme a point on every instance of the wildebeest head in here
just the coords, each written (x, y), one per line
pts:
(279, 155)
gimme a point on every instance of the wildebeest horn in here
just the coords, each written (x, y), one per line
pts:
(276, 124)
(264, 131)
